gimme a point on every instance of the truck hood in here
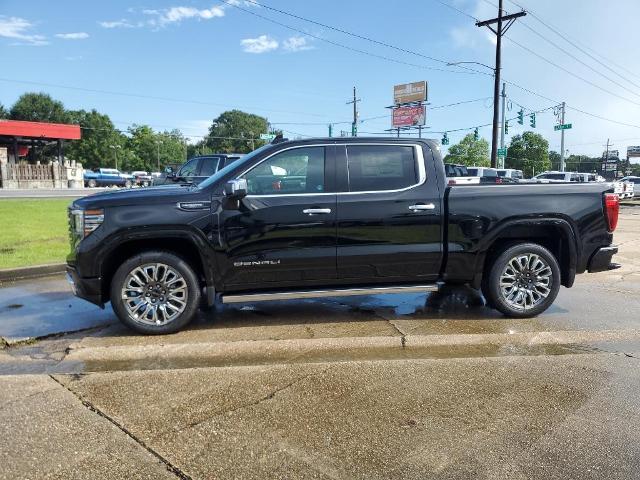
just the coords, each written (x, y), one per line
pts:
(141, 196)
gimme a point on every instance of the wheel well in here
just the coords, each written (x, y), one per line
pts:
(178, 246)
(551, 237)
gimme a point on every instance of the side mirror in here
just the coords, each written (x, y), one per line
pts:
(168, 170)
(236, 189)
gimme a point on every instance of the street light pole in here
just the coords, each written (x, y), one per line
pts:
(115, 153)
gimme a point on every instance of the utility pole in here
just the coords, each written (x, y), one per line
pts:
(499, 31)
(158, 145)
(562, 139)
(354, 125)
(330, 130)
(606, 160)
(504, 103)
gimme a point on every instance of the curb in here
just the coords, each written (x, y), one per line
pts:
(13, 274)
(248, 352)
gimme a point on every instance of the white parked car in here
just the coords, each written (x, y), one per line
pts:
(556, 177)
(636, 184)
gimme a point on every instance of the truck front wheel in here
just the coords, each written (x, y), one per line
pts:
(523, 281)
(155, 293)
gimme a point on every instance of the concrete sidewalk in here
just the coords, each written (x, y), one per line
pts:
(564, 416)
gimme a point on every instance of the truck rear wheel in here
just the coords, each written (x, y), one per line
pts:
(523, 281)
(155, 292)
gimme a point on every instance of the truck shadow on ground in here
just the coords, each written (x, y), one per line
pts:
(462, 306)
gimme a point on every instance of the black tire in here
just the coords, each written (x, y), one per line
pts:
(193, 292)
(92, 184)
(491, 283)
(127, 184)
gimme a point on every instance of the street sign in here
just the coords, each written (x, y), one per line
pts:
(502, 152)
(267, 136)
(410, 92)
(565, 126)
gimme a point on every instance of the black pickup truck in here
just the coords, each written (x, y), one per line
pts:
(333, 217)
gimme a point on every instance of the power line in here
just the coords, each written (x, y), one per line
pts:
(151, 97)
(581, 49)
(340, 30)
(603, 118)
(452, 7)
(572, 73)
(580, 61)
(341, 45)
(378, 116)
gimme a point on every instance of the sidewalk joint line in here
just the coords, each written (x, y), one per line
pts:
(170, 467)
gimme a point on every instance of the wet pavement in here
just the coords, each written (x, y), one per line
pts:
(384, 386)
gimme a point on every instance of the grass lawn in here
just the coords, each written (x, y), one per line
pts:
(33, 231)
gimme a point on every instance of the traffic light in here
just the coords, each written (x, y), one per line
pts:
(532, 121)
(445, 139)
(521, 117)
(475, 134)
(506, 128)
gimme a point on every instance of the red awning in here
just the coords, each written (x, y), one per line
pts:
(54, 131)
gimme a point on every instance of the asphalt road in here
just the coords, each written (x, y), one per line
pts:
(389, 386)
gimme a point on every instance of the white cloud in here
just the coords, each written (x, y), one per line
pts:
(246, 3)
(73, 36)
(122, 23)
(296, 44)
(18, 29)
(261, 44)
(177, 14)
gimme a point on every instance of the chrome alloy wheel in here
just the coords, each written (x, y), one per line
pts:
(154, 294)
(526, 281)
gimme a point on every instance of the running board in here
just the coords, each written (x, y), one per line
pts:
(341, 292)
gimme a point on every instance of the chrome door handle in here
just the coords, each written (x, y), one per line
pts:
(421, 206)
(316, 211)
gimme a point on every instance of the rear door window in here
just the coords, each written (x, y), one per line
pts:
(373, 168)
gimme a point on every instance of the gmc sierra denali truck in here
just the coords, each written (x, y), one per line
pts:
(333, 217)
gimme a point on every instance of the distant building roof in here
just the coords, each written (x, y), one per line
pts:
(15, 128)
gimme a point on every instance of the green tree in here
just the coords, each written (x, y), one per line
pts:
(237, 125)
(152, 151)
(554, 160)
(98, 136)
(528, 152)
(3, 112)
(469, 152)
(38, 107)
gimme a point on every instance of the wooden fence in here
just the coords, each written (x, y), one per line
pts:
(29, 172)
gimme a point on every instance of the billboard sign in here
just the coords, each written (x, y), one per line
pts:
(408, 116)
(633, 151)
(410, 92)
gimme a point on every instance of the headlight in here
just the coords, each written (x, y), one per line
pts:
(83, 222)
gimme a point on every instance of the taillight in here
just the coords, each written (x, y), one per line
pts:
(452, 181)
(611, 209)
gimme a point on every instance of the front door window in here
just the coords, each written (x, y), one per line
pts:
(295, 171)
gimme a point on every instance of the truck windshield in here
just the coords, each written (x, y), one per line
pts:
(236, 164)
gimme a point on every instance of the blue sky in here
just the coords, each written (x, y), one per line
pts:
(210, 56)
